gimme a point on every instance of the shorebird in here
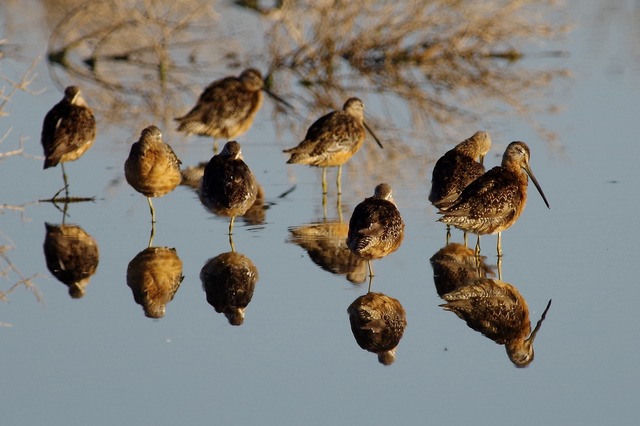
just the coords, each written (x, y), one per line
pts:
(68, 130)
(226, 108)
(378, 322)
(228, 187)
(456, 169)
(152, 168)
(332, 140)
(494, 201)
(376, 228)
(497, 310)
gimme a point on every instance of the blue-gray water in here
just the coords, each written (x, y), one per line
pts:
(99, 360)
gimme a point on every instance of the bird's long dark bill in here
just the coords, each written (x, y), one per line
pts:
(366, 126)
(535, 182)
(539, 324)
(278, 99)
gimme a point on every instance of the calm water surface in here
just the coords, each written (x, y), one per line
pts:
(99, 360)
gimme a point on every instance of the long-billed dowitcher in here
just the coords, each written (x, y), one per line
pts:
(228, 187)
(152, 168)
(68, 130)
(456, 169)
(376, 228)
(226, 108)
(332, 140)
(378, 322)
(497, 310)
(494, 201)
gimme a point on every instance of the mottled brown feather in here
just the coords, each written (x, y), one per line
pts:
(152, 168)
(332, 139)
(456, 169)
(494, 201)
(228, 187)
(376, 228)
(226, 108)
(68, 129)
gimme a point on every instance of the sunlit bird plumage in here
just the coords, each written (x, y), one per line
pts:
(498, 311)
(226, 108)
(332, 140)
(228, 187)
(494, 201)
(457, 168)
(68, 130)
(376, 228)
(152, 168)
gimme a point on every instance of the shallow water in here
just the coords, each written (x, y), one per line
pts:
(99, 360)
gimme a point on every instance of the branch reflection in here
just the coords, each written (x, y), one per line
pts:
(423, 59)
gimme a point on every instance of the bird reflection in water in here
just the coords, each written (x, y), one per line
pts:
(455, 265)
(492, 307)
(325, 242)
(154, 276)
(229, 280)
(498, 311)
(72, 256)
(378, 322)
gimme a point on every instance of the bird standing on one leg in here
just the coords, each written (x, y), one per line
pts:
(332, 140)
(376, 228)
(152, 168)
(494, 201)
(68, 130)
(228, 187)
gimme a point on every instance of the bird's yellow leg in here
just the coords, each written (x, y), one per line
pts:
(152, 210)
